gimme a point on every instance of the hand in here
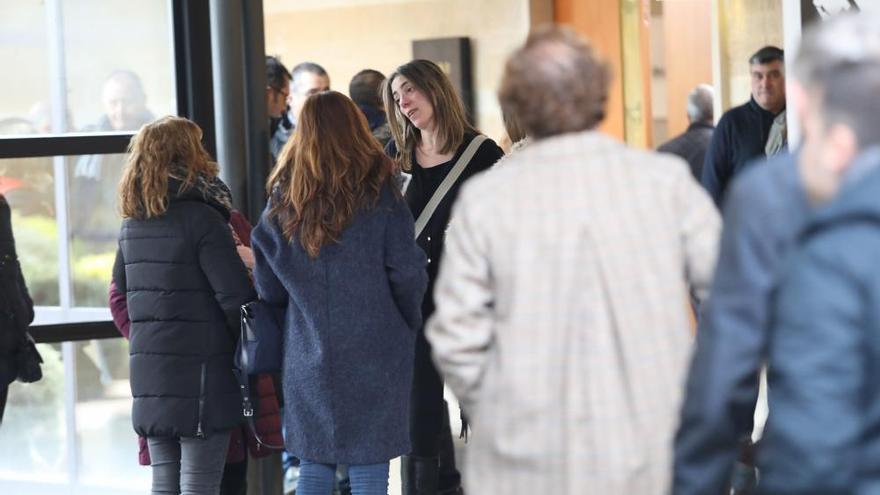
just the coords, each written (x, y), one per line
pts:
(247, 256)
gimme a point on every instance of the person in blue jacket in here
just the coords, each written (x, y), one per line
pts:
(822, 432)
(336, 247)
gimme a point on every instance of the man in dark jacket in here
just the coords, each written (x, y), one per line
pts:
(693, 143)
(364, 90)
(742, 132)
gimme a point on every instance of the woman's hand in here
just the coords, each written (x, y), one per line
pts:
(247, 256)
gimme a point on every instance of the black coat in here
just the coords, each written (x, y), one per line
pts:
(16, 306)
(184, 283)
(739, 139)
(691, 145)
(422, 186)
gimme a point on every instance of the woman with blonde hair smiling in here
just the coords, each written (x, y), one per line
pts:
(335, 248)
(184, 283)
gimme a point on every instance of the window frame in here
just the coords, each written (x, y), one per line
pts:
(194, 91)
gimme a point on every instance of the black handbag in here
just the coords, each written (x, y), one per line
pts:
(259, 351)
(259, 348)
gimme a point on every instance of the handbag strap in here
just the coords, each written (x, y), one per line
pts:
(248, 408)
(448, 182)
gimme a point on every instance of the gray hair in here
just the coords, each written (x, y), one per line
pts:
(701, 104)
(839, 59)
(305, 67)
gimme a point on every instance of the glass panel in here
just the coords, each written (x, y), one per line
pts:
(108, 445)
(94, 225)
(29, 186)
(118, 65)
(33, 441)
(34, 449)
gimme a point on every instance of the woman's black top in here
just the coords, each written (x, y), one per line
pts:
(422, 186)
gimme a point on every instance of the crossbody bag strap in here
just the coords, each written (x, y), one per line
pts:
(448, 182)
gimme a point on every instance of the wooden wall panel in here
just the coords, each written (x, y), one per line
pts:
(599, 20)
(687, 36)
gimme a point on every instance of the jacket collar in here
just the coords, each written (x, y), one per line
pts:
(764, 113)
(859, 196)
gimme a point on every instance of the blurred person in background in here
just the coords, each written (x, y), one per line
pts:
(824, 338)
(306, 79)
(752, 130)
(277, 93)
(692, 144)
(365, 89)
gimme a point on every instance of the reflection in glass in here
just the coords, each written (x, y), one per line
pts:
(94, 225)
(33, 443)
(114, 78)
(28, 184)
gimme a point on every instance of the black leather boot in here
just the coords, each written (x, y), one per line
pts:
(419, 475)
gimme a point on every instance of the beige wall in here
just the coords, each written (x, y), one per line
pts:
(744, 27)
(346, 36)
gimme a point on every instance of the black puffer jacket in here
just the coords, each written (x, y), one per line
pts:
(184, 283)
(16, 306)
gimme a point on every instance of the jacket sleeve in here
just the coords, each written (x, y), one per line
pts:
(269, 287)
(717, 164)
(119, 311)
(405, 264)
(722, 385)
(700, 227)
(224, 269)
(818, 372)
(461, 329)
(25, 296)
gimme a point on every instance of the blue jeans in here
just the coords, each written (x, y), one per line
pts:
(188, 466)
(366, 479)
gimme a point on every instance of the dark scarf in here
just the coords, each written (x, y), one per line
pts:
(211, 189)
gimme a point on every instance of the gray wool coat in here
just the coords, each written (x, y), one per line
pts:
(351, 321)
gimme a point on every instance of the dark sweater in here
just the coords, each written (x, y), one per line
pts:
(691, 145)
(184, 283)
(740, 138)
(422, 186)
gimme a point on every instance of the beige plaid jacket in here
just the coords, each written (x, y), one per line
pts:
(561, 324)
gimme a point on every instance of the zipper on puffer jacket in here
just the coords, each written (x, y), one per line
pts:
(200, 432)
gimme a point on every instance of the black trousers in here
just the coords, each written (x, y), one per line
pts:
(427, 407)
(430, 432)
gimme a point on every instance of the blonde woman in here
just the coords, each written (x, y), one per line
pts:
(184, 283)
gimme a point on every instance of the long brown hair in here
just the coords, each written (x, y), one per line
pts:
(328, 170)
(452, 123)
(168, 141)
